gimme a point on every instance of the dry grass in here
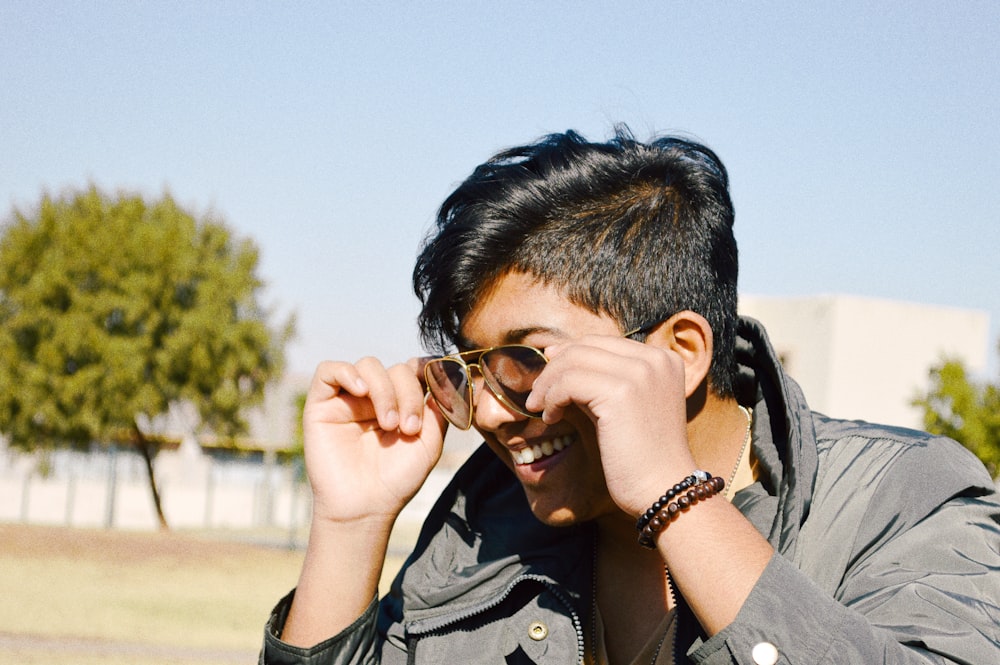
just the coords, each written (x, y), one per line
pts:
(87, 596)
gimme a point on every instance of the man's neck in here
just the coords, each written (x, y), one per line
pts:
(717, 435)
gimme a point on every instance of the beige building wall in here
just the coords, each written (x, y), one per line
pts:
(867, 358)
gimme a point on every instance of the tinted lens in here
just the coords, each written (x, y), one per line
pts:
(449, 385)
(511, 371)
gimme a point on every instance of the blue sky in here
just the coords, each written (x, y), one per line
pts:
(862, 138)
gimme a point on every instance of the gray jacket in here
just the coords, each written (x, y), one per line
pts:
(887, 551)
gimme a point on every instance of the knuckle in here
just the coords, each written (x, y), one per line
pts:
(368, 361)
(401, 369)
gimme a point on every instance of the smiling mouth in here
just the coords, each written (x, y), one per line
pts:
(542, 450)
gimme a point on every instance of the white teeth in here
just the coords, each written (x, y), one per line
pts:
(540, 450)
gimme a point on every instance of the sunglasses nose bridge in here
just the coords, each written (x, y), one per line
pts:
(483, 381)
(472, 380)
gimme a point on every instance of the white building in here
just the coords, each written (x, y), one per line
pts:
(866, 358)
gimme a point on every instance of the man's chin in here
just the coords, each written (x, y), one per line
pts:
(556, 517)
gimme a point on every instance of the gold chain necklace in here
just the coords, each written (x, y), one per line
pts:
(674, 596)
(730, 489)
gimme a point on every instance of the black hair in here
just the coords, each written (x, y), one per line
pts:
(636, 231)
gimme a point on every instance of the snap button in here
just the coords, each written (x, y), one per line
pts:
(765, 653)
(538, 631)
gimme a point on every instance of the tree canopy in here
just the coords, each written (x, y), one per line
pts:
(968, 411)
(113, 308)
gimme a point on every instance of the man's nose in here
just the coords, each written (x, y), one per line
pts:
(490, 411)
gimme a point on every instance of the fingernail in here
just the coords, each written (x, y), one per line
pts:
(361, 385)
(413, 424)
(392, 419)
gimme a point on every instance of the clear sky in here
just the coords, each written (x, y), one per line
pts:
(862, 138)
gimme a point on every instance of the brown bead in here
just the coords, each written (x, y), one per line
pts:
(673, 508)
(683, 503)
(655, 524)
(701, 492)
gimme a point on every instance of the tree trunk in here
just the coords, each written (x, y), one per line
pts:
(146, 447)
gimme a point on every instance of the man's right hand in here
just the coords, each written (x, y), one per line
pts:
(370, 439)
(370, 443)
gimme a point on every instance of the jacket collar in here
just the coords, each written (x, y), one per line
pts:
(784, 440)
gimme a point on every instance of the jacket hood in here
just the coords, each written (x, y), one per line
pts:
(784, 440)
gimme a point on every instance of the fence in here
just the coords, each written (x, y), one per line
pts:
(109, 488)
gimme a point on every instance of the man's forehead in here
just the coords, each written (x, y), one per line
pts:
(520, 307)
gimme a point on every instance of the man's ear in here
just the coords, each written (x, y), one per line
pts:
(689, 335)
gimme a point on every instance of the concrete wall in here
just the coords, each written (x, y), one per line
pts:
(867, 358)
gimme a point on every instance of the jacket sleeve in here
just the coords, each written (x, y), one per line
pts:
(903, 561)
(357, 644)
(378, 635)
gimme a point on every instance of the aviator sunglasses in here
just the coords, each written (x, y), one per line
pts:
(508, 372)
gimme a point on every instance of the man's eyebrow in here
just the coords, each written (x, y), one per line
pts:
(463, 344)
(515, 336)
(520, 334)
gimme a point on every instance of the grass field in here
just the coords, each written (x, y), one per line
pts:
(89, 596)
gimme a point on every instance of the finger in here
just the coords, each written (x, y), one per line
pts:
(611, 343)
(607, 353)
(571, 363)
(331, 377)
(552, 414)
(556, 396)
(381, 391)
(434, 424)
(409, 397)
(417, 364)
(589, 376)
(337, 394)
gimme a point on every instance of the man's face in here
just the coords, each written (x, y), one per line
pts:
(558, 465)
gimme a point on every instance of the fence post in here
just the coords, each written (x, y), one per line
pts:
(25, 495)
(109, 506)
(268, 498)
(209, 493)
(70, 497)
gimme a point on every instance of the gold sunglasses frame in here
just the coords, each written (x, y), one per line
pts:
(496, 392)
(470, 390)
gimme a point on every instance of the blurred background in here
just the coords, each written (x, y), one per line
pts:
(863, 148)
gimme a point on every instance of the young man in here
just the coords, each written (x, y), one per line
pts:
(590, 289)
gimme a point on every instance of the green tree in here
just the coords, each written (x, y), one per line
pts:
(113, 309)
(965, 410)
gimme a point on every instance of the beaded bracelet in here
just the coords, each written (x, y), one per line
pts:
(696, 477)
(691, 490)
